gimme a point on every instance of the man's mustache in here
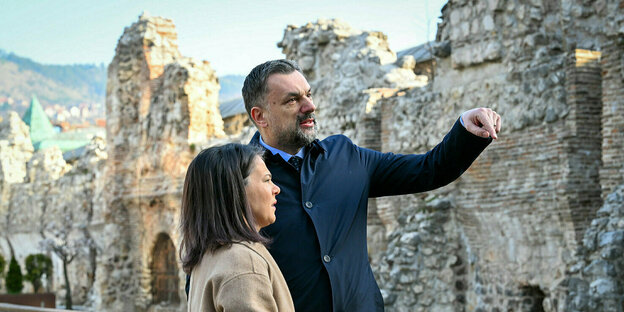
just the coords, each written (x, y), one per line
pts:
(306, 116)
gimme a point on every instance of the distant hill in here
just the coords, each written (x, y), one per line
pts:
(69, 85)
(65, 85)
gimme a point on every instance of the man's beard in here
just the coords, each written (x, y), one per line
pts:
(295, 136)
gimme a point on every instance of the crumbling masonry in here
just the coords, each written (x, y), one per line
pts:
(536, 224)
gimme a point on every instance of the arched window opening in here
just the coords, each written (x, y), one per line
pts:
(165, 280)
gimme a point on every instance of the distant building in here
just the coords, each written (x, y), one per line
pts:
(423, 56)
(43, 134)
(234, 116)
(41, 128)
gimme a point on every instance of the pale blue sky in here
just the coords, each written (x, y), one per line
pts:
(233, 35)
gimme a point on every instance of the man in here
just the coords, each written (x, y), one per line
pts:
(319, 237)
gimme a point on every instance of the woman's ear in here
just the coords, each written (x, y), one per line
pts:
(259, 117)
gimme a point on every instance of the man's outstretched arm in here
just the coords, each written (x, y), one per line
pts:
(394, 174)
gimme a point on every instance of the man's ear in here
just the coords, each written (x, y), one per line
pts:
(259, 117)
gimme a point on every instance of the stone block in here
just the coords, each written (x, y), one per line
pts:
(611, 238)
(603, 287)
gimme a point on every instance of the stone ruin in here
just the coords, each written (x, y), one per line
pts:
(536, 224)
(116, 206)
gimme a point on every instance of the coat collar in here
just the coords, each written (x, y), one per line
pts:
(314, 147)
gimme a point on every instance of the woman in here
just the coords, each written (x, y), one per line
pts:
(228, 196)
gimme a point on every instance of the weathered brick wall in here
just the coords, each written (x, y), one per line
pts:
(516, 217)
(583, 88)
(524, 206)
(528, 200)
(612, 172)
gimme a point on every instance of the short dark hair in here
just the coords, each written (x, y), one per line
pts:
(215, 212)
(255, 85)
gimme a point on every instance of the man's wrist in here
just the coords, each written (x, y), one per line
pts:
(461, 119)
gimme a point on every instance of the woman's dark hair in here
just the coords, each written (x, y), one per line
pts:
(215, 212)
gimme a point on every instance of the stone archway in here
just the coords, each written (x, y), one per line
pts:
(164, 269)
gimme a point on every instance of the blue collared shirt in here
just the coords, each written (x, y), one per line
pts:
(276, 151)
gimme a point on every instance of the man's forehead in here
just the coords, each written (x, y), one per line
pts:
(293, 82)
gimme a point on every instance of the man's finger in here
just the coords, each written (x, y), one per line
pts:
(490, 129)
(476, 130)
(488, 123)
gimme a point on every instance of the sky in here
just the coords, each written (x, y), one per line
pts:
(234, 36)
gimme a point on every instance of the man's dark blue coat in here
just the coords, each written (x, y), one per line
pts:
(319, 236)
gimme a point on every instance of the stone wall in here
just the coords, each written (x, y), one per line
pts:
(161, 108)
(526, 203)
(594, 282)
(509, 229)
(15, 151)
(235, 124)
(117, 205)
(53, 203)
(525, 229)
(340, 63)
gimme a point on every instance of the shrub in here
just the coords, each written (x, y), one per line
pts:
(36, 266)
(14, 282)
(2, 265)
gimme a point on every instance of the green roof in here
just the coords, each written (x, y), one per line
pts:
(40, 126)
(63, 145)
(43, 135)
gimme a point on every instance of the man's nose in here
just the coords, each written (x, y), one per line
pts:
(307, 106)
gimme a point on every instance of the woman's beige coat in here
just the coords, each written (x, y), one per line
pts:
(242, 278)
